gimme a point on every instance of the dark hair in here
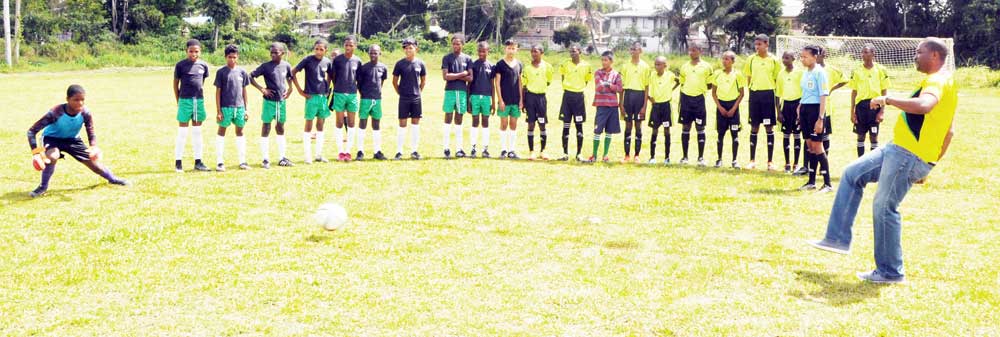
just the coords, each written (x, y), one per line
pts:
(193, 43)
(574, 46)
(409, 42)
(320, 42)
(74, 89)
(762, 38)
(351, 38)
(694, 45)
(232, 49)
(483, 44)
(935, 45)
(280, 46)
(636, 45)
(609, 54)
(458, 36)
(510, 42)
(813, 49)
(539, 47)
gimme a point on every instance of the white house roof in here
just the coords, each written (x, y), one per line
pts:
(198, 20)
(791, 8)
(632, 14)
(317, 21)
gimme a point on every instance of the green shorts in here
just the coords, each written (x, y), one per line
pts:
(316, 107)
(480, 104)
(190, 108)
(344, 102)
(271, 110)
(454, 101)
(233, 115)
(371, 108)
(512, 110)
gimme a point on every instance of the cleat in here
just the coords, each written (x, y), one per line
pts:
(220, 168)
(666, 161)
(503, 154)
(684, 161)
(736, 165)
(590, 160)
(825, 189)
(399, 156)
(320, 159)
(486, 153)
(178, 167)
(460, 154)
(606, 159)
(542, 156)
(770, 167)
(788, 169)
(807, 187)
(752, 165)
(379, 156)
(512, 155)
(531, 155)
(360, 156)
(415, 155)
(718, 163)
(199, 166)
(285, 162)
(579, 158)
(652, 161)
(627, 159)
(244, 166)
(265, 164)
(874, 277)
(565, 157)
(119, 182)
(40, 191)
(447, 154)
(801, 171)
(473, 153)
(701, 162)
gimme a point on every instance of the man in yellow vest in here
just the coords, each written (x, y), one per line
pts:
(921, 138)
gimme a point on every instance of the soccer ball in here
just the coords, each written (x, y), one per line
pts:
(331, 216)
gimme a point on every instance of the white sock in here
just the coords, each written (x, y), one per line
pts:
(474, 136)
(320, 138)
(503, 140)
(512, 135)
(265, 148)
(446, 130)
(414, 137)
(361, 140)
(377, 140)
(351, 134)
(182, 132)
(220, 145)
(281, 146)
(241, 148)
(458, 136)
(486, 138)
(196, 142)
(338, 136)
(400, 139)
(307, 146)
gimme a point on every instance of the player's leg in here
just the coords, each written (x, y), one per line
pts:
(900, 171)
(734, 132)
(512, 135)
(352, 131)
(856, 176)
(541, 116)
(654, 125)
(484, 133)
(52, 154)
(462, 108)
(565, 116)
(403, 115)
(416, 113)
(769, 129)
(241, 142)
(754, 130)
(321, 134)
(279, 129)
(307, 139)
(446, 130)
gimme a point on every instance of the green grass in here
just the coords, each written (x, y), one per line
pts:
(468, 247)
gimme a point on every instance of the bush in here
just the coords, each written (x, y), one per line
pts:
(574, 33)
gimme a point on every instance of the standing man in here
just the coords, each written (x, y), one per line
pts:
(789, 91)
(576, 74)
(869, 81)
(343, 73)
(922, 135)
(482, 102)
(317, 87)
(695, 82)
(535, 80)
(635, 78)
(762, 75)
(456, 70)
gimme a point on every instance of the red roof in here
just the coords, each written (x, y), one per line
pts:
(549, 11)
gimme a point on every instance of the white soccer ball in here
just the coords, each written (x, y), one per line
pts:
(331, 216)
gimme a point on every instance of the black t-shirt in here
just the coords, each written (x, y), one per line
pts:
(231, 83)
(483, 73)
(410, 73)
(370, 78)
(344, 72)
(454, 64)
(192, 75)
(276, 76)
(315, 72)
(509, 74)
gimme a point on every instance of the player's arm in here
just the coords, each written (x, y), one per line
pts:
(295, 80)
(423, 80)
(920, 105)
(288, 91)
(246, 116)
(520, 86)
(177, 90)
(88, 125)
(947, 141)
(218, 104)
(39, 125)
(739, 99)
(854, 113)
(715, 97)
(265, 91)
(818, 128)
(395, 83)
(496, 92)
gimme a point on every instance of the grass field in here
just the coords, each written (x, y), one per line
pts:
(468, 247)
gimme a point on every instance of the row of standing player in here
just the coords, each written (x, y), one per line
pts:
(470, 85)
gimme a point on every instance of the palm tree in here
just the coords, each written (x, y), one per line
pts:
(679, 21)
(586, 4)
(714, 14)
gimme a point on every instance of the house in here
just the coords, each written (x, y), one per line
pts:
(649, 25)
(317, 27)
(790, 10)
(542, 22)
(198, 20)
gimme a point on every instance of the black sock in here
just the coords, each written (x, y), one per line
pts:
(544, 140)
(652, 145)
(753, 146)
(874, 146)
(826, 146)
(685, 140)
(565, 138)
(666, 143)
(701, 144)
(718, 144)
(628, 141)
(824, 168)
(579, 138)
(797, 146)
(531, 141)
(736, 142)
(861, 147)
(810, 163)
(638, 139)
(770, 146)
(785, 144)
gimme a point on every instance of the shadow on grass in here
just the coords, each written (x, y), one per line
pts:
(22, 196)
(318, 238)
(776, 191)
(835, 293)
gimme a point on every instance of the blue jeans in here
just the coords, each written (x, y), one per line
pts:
(895, 169)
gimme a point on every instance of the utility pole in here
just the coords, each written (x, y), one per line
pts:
(464, 3)
(6, 32)
(357, 17)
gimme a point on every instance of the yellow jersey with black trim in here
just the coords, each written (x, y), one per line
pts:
(789, 84)
(924, 135)
(635, 76)
(536, 79)
(575, 76)
(661, 87)
(869, 83)
(695, 78)
(834, 77)
(763, 71)
(728, 86)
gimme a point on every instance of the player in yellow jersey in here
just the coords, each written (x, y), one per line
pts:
(868, 81)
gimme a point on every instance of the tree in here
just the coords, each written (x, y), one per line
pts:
(597, 6)
(480, 18)
(976, 35)
(715, 14)
(761, 18)
(221, 11)
(573, 33)
(826, 17)
(679, 22)
(381, 15)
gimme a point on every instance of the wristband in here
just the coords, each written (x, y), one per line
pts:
(37, 150)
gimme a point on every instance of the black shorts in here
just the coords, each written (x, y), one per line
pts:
(827, 127)
(606, 120)
(808, 116)
(573, 109)
(692, 110)
(536, 107)
(789, 117)
(867, 122)
(762, 107)
(727, 123)
(660, 115)
(74, 147)
(633, 101)
(410, 108)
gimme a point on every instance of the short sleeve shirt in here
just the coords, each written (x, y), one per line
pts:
(924, 135)
(315, 71)
(370, 78)
(814, 84)
(869, 83)
(192, 75)
(409, 73)
(456, 64)
(231, 83)
(344, 72)
(729, 85)
(789, 84)
(509, 74)
(536, 79)
(483, 73)
(635, 76)
(695, 78)
(763, 71)
(276, 76)
(575, 76)
(661, 87)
